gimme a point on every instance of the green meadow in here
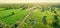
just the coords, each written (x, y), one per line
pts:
(38, 18)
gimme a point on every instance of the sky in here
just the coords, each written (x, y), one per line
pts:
(28, 1)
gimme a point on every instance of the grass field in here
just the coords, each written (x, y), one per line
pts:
(36, 19)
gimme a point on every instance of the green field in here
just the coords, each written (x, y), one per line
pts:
(37, 18)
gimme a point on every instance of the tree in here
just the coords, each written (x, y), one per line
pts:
(56, 22)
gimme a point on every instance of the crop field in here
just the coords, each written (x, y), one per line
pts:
(33, 17)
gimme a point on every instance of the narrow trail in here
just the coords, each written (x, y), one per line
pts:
(31, 11)
(20, 23)
(26, 17)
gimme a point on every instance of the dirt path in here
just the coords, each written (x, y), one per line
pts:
(31, 11)
(20, 23)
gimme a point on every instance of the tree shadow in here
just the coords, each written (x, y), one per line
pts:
(8, 15)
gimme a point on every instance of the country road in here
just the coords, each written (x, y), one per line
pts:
(31, 11)
(21, 22)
